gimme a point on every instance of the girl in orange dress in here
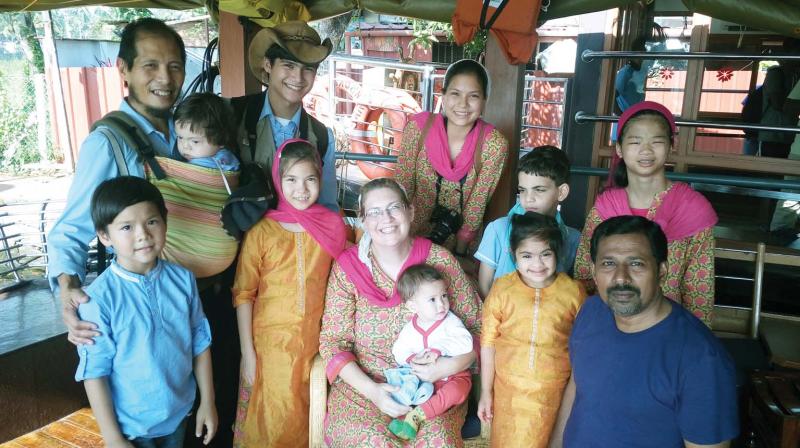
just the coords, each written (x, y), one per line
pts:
(527, 319)
(279, 294)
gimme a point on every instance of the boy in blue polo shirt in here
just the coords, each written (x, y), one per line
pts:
(154, 338)
(542, 177)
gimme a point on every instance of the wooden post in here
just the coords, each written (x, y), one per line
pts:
(51, 66)
(503, 110)
(234, 39)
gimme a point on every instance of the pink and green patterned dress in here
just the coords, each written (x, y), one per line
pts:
(416, 174)
(354, 327)
(688, 219)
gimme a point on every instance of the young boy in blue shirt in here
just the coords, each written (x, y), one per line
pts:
(542, 177)
(154, 339)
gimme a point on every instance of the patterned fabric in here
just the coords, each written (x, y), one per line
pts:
(529, 329)
(416, 174)
(284, 274)
(194, 196)
(352, 325)
(690, 265)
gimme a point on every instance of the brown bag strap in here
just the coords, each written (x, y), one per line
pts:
(478, 152)
(425, 129)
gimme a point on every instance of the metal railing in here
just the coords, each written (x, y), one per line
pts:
(535, 110)
(589, 55)
(23, 239)
(583, 117)
(748, 186)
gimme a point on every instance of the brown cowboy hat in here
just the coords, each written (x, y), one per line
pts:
(294, 36)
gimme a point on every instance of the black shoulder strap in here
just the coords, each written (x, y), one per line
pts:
(122, 126)
(248, 108)
(319, 130)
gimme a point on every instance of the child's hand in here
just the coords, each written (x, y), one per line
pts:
(425, 358)
(206, 416)
(485, 412)
(248, 367)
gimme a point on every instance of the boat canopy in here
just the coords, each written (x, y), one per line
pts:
(775, 16)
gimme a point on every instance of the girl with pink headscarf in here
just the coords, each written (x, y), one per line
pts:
(637, 185)
(279, 295)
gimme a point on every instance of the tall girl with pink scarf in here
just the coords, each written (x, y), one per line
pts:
(637, 185)
(454, 159)
(363, 316)
(279, 294)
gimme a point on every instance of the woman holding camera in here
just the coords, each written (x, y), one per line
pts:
(364, 314)
(450, 163)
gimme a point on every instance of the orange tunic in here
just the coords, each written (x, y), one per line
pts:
(285, 275)
(529, 329)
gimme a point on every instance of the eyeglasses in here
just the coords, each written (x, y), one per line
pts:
(393, 210)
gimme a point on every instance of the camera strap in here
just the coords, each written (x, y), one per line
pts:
(460, 191)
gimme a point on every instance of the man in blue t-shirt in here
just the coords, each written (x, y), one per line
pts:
(645, 372)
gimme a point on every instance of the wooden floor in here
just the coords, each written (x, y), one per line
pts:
(77, 430)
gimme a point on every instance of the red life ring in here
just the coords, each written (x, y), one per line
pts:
(369, 134)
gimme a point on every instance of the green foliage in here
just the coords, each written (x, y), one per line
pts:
(18, 139)
(105, 23)
(425, 32)
(477, 45)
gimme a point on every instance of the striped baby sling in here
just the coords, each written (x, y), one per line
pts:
(194, 196)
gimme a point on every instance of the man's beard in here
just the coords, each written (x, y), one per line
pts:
(630, 308)
(151, 111)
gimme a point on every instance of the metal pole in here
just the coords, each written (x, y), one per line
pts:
(718, 179)
(758, 284)
(583, 117)
(427, 90)
(589, 55)
(387, 63)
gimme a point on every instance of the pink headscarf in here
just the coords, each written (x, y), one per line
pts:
(361, 276)
(438, 148)
(325, 226)
(682, 213)
(626, 115)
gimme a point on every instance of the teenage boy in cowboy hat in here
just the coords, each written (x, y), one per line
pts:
(285, 59)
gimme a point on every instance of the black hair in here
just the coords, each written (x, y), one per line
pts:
(115, 195)
(275, 51)
(537, 226)
(127, 43)
(299, 151)
(626, 225)
(546, 161)
(467, 67)
(209, 114)
(621, 172)
(413, 277)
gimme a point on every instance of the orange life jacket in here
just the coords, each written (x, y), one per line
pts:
(512, 22)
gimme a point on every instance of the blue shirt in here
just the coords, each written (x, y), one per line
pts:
(495, 248)
(655, 388)
(151, 328)
(281, 133)
(68, 241)
(223, 159)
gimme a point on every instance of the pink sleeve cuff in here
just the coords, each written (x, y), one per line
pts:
(410, 357)
(465, 234)
(337, 363)
(438, 353)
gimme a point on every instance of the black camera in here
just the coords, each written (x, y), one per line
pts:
(445, 223)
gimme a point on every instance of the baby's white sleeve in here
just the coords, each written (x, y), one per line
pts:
(457, 339)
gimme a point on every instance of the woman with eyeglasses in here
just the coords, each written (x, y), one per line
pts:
(364, 314)
(450, 163)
